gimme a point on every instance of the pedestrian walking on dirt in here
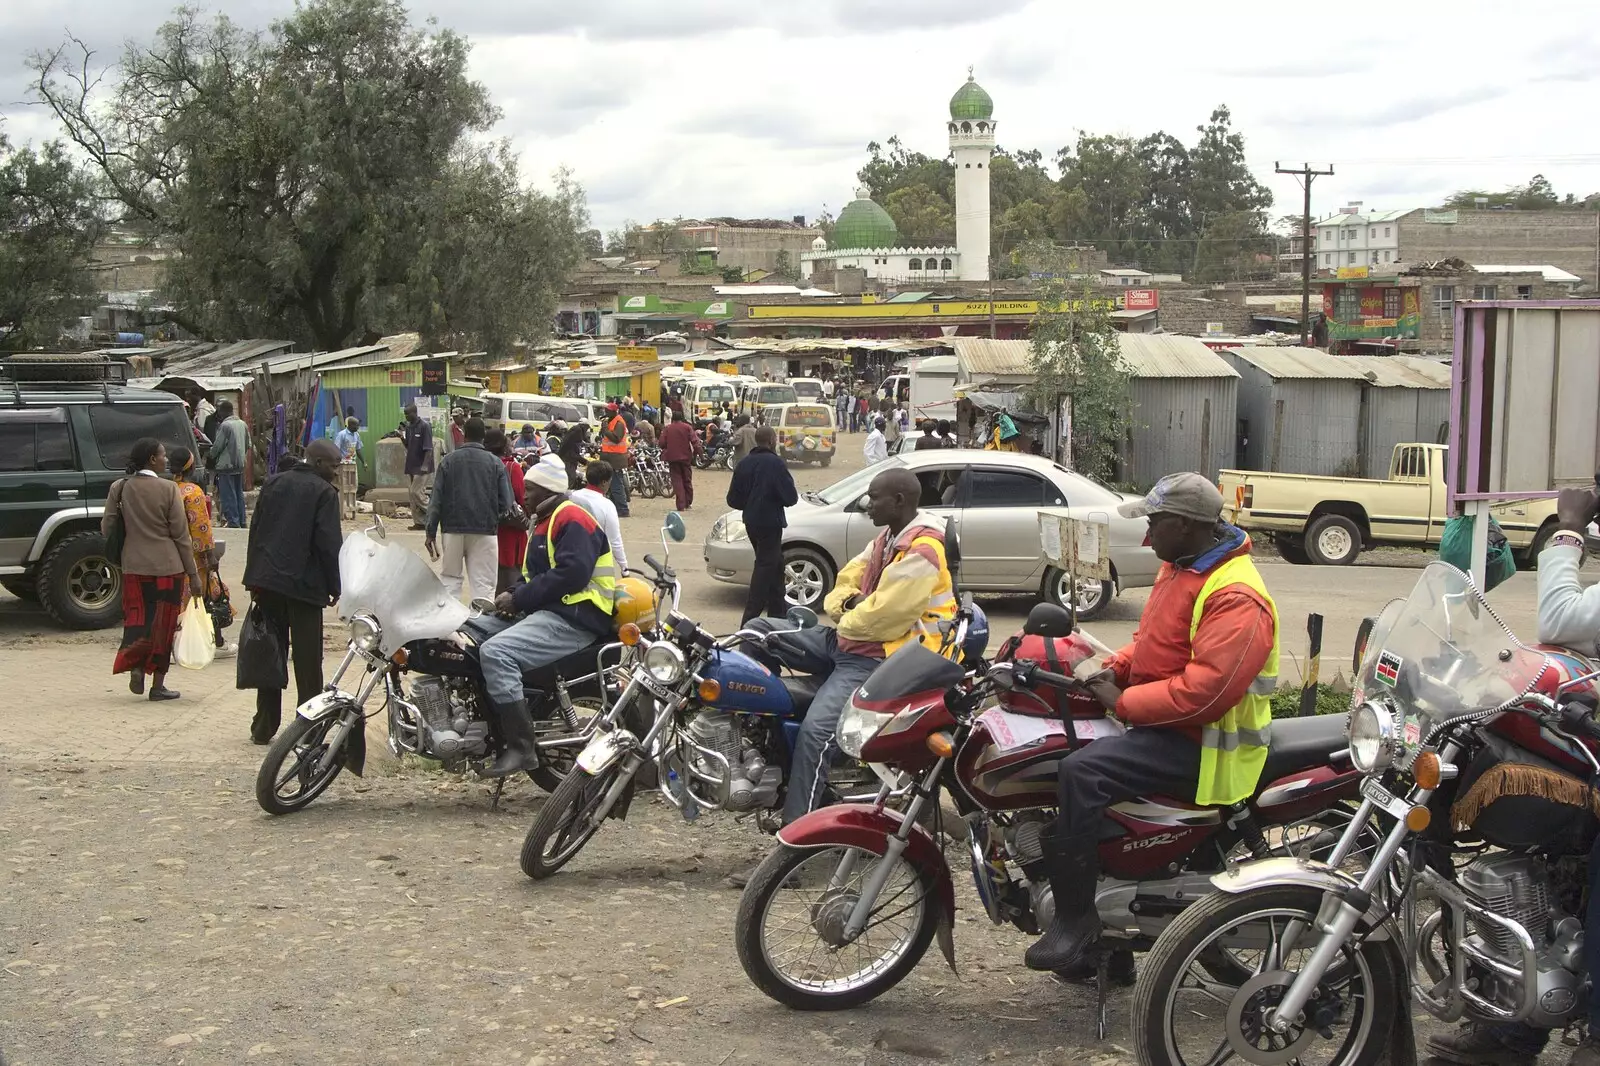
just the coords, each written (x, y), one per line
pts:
(418, 435)
(573, 444)
(762, 487)
(594, 499)
(471, 490)
(679, 445)
(158, 566)
(614, 450)
(511, 540)
(291, 568)
(228, 449)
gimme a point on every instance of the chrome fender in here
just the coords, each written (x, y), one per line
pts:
(323, 704)
(1304, 873)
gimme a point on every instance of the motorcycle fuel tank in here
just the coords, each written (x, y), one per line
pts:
(442, 657)
(747, 686)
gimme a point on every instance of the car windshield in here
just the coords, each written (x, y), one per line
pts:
(1085, 491)
(713, 394)
(777, 394)
(853, 486)
(807, 389)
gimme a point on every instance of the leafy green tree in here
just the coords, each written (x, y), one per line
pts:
(924, 218)
(309, 174)
(49, 222)
(1074, 355)
(1537, 195)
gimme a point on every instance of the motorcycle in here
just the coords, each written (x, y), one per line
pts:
(416, 648)
(716, 725)
(1477, 754)
(850, 900)
(717, 452)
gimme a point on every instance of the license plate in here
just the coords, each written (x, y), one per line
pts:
(601, 751)
(1383, 798)
(651, 685)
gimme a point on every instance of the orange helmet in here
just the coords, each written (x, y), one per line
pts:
(635, 603)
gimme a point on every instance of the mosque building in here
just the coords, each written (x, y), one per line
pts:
(866, 237)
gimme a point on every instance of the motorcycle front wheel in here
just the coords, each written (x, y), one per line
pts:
(566, 822)
(1184, 1016)
(792, 915)
(290, 778)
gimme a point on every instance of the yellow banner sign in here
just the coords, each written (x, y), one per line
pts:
(558, 386)
(688, 364)
(942, 309)
(727, 368)
(1352, 272)
(638, 353)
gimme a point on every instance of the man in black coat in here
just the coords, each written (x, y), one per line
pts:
(292, 570)
(762, 487)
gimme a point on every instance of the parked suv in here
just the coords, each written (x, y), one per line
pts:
(67, 425)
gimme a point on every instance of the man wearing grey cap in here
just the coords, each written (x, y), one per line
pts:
(1195, 686)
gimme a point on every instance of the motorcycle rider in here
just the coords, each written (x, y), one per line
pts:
(566, 603)
(1195, 685)
(1569, 615)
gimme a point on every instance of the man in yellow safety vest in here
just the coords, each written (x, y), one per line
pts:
(1195, 685)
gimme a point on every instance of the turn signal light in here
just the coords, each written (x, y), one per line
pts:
(710, 691)
(1417, 819)
(401, 657)
(629, 634)
(941, 745)
(1426, 770)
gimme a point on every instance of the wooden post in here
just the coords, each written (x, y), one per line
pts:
(1308, 694)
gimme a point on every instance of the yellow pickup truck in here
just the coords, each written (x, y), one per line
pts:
(1329, 520)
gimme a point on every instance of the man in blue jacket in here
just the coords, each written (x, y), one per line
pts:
(566, 602)
(762, 487)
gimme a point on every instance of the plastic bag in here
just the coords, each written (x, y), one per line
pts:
(260, 662)
(195, 646)
(1455, 548)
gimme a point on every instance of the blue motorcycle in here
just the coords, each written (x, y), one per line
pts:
(715, 723)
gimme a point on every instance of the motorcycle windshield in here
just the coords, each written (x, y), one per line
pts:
(1442, 652)
(398, 589)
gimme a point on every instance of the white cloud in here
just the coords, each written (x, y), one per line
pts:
(709, 107)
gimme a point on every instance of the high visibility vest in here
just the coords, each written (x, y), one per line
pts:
(610, 447)
(602, 587)
(941, 602)
(1233, 749)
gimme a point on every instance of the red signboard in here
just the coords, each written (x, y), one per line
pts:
(1141, 300)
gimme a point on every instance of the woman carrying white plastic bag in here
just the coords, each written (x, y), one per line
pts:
(195, 647)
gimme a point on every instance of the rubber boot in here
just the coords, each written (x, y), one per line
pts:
(517, 751)
(1075, 926)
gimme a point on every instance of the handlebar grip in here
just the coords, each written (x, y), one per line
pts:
(1045, 677)
(1575, 719)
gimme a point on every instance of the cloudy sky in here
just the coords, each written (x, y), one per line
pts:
(727, 107)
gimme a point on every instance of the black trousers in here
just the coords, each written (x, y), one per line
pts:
(1141, 762)
(766, 579)
(299, 628)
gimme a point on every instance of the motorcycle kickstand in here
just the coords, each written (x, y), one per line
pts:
(500, 787)
(1101, 981)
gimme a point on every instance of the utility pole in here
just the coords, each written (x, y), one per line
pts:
(1305, 175)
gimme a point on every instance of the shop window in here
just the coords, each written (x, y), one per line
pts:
(1391, 303)
(1347, 304)
(1444, 300)
(1484, 292)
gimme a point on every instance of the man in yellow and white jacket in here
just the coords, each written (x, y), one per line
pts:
(897, 590)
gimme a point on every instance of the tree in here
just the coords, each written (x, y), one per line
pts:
(593, 243)
(49, 222)
(924, 218)
(1537, 195)
(1074, 355)
(783, 263)
(308, 174)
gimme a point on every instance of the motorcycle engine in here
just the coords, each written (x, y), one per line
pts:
(1517, 888)
(450, 718)
(752, 783)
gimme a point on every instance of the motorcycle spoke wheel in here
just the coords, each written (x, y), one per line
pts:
(1187, 1016)
(556, 763)
(291, 775)
(790, 928)
(565, 823)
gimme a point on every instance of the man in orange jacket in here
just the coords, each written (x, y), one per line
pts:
(1193, 685)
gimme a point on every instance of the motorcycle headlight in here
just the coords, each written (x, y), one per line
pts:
(1372, 738)
(856, 727)
(664, 662)
(365, 633)
(729, 528)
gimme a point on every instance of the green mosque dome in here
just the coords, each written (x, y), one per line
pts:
(864, 224)
(971, 102)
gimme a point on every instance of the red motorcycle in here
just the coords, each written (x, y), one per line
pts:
(848, 903)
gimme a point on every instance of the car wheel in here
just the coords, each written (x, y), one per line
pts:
(1333, 540)
(1541, 539)
(78, 586)
(1292, 550)
(1093, 596)
(807, 577)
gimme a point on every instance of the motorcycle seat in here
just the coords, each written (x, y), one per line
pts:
(1301, 743)
(802, 690)
(578, 664)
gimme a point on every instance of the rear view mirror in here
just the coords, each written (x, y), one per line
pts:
(673, 526)
(801, 617)
(862, 503)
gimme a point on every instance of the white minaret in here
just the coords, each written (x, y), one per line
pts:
(971, 147)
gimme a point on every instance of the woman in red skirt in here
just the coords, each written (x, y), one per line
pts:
(513, 542)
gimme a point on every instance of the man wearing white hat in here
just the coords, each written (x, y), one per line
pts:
(566, 605)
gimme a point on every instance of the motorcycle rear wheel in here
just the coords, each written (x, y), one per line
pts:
(1174, 984)
(305, 741)
(555, 765)
(787, 872)
(565, 822)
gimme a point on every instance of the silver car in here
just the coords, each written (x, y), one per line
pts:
(995, 499)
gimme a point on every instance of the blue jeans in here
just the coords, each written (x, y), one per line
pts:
(1527, 1038)
(618, 490)
(230, 497)
(816, 652)
(537, 640)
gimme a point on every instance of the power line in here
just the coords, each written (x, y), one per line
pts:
(1305, 175)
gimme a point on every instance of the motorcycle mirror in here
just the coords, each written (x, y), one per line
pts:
(801, 617)
(377, 529)
(673, 526)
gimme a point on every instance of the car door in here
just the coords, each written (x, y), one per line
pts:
(39, 476)
(999, 526)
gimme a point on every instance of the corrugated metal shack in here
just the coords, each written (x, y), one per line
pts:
(1406, 400)
(1299, 411)
(1184, 398)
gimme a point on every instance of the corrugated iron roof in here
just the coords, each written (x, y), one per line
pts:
(1148, 355)
(1287, 363)
(1401, 371)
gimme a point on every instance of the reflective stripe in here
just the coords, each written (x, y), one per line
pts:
(1233, 749)
(1212, 737)
(601, 589)
(1264, 685)
(941, 599)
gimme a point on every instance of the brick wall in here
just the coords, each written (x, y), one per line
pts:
(1566, 239)
(1437, 333)
(750, 248)
(1189, 314)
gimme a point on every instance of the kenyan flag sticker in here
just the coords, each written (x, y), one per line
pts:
(1388, 668)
